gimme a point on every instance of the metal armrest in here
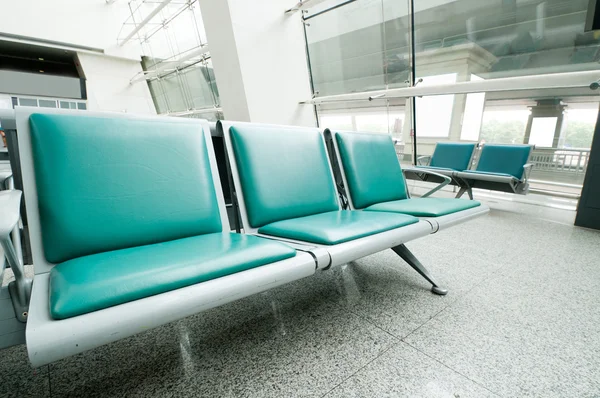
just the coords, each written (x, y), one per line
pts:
(441, 185)
(424, 160)
(527, 171)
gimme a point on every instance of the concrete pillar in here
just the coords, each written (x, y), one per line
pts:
(259, 59)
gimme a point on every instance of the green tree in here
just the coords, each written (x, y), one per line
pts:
(579, 135)
(503, 131)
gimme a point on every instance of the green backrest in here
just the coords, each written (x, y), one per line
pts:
(371, 167)
(284, 172)
(110, 183)
(452, 155)
(504, 159)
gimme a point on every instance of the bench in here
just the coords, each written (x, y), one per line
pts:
(286, 191)
(129, 229)
(501, 167)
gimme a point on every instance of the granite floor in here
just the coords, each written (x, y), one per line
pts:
(521, 320)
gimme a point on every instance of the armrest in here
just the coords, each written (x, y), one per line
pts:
(441, 185)
(10, 206)
(527, 170)
(424, 160)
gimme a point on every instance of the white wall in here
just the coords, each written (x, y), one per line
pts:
(259, 60)
(108, 87)
(91, 23)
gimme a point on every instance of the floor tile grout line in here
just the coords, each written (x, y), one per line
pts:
(49, 382)
(361, 368)
(493, 275)
(452, 369)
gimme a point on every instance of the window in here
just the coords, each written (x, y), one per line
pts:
(434, 113)
(341, 122)
(380, 123)
(473, 114)
(542, 131)
(28, 102)
(504, 126)
(47, 103)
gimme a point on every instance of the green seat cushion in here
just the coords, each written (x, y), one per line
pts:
(107, 183)
(504, 159)
(284, 172)
(371, 167)
(425, 207)
(107, 279)
(452, 155)
(336, 226)
(484, 173)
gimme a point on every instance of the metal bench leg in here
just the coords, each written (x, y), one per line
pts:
(20, 288)
(410, 258)
(462, 191)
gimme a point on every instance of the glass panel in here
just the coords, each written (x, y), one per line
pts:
(73, 105)
(64, 104)
(81, 105)
(542, 131)
(28, 102)
(47, 103)
(503, 38)
(345, 46)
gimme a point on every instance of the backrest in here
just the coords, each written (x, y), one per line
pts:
(453, 155)
(504, 159)
(102, 181)
(282, 172)
(371, 168)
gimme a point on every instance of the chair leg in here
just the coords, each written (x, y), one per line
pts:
(462, 191)
(410, 258)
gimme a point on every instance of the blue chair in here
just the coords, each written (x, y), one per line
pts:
(504, 168)
(447, 159)
(129, 230)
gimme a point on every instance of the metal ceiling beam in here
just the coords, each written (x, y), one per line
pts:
(145, 21)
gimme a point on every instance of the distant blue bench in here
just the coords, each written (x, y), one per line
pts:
(500, 167)
(504, 168)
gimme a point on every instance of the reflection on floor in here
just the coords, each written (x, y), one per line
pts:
(521, 319)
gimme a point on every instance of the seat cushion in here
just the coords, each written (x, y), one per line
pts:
(425, 207)
(452, 155)
(108, 183)
(336, 226)
(504, 159)
(107, 279)
(284, 172)
(371, 167)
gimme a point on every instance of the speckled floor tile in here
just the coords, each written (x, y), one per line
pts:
(18, 379)
(405, 372)
(389, 293)
(522, 335)
(235, 350)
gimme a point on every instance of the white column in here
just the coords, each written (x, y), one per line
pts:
(259, 59)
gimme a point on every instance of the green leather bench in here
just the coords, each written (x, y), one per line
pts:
(129, 229)
(504, 168)
(447, 159)
(286, 191)
(373, 181)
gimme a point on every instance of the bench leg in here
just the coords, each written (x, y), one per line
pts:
(468, 190)
(410, 258)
